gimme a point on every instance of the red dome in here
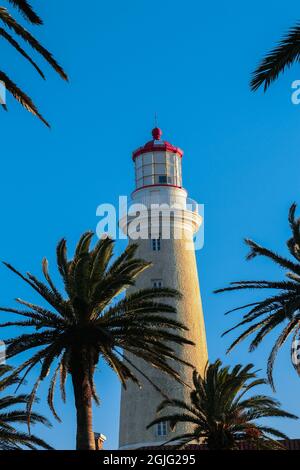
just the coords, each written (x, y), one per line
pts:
(156, 133)
(154, 146)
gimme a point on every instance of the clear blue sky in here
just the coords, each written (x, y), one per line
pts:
(190, 62)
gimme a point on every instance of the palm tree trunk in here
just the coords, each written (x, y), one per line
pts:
(85, 439)
(220, 441)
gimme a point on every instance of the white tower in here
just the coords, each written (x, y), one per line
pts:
(158, 180)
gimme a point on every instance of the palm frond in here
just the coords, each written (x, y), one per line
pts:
(89, 322)
(10, 437)
(276, 309)
(27, 11)
(21, 97)
(278, 343)
(17, 46)
(218, 413)
(12, 24)
(285, 54)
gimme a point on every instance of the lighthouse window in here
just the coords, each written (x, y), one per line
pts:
(159, 157)
(139, 183)
(179, 172)
(139, 161)
(157, 283)
(162, 179)
(147, 158)
(156, 244)
(147, 180)
(171, 169)
(161, 428)
(148, 170)
(160, 169)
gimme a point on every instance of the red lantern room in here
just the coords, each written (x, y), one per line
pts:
(158, 163)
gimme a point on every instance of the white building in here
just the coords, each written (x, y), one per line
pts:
(158, 178)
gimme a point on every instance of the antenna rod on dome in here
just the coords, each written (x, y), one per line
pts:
(155, 119)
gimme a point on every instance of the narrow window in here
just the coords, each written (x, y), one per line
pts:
(161, 429)
(156, 244)
(162, 179)
(157, 283)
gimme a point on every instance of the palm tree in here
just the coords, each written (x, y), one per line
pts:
(10, 437)
(281, 308)
(13, 27)
(221, 415)
(91, 323)
(284, 55)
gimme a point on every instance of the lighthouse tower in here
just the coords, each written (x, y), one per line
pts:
(158, 182)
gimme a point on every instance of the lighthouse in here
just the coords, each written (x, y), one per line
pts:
(166, 240)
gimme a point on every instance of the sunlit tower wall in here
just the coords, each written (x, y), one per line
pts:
(158, 178)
